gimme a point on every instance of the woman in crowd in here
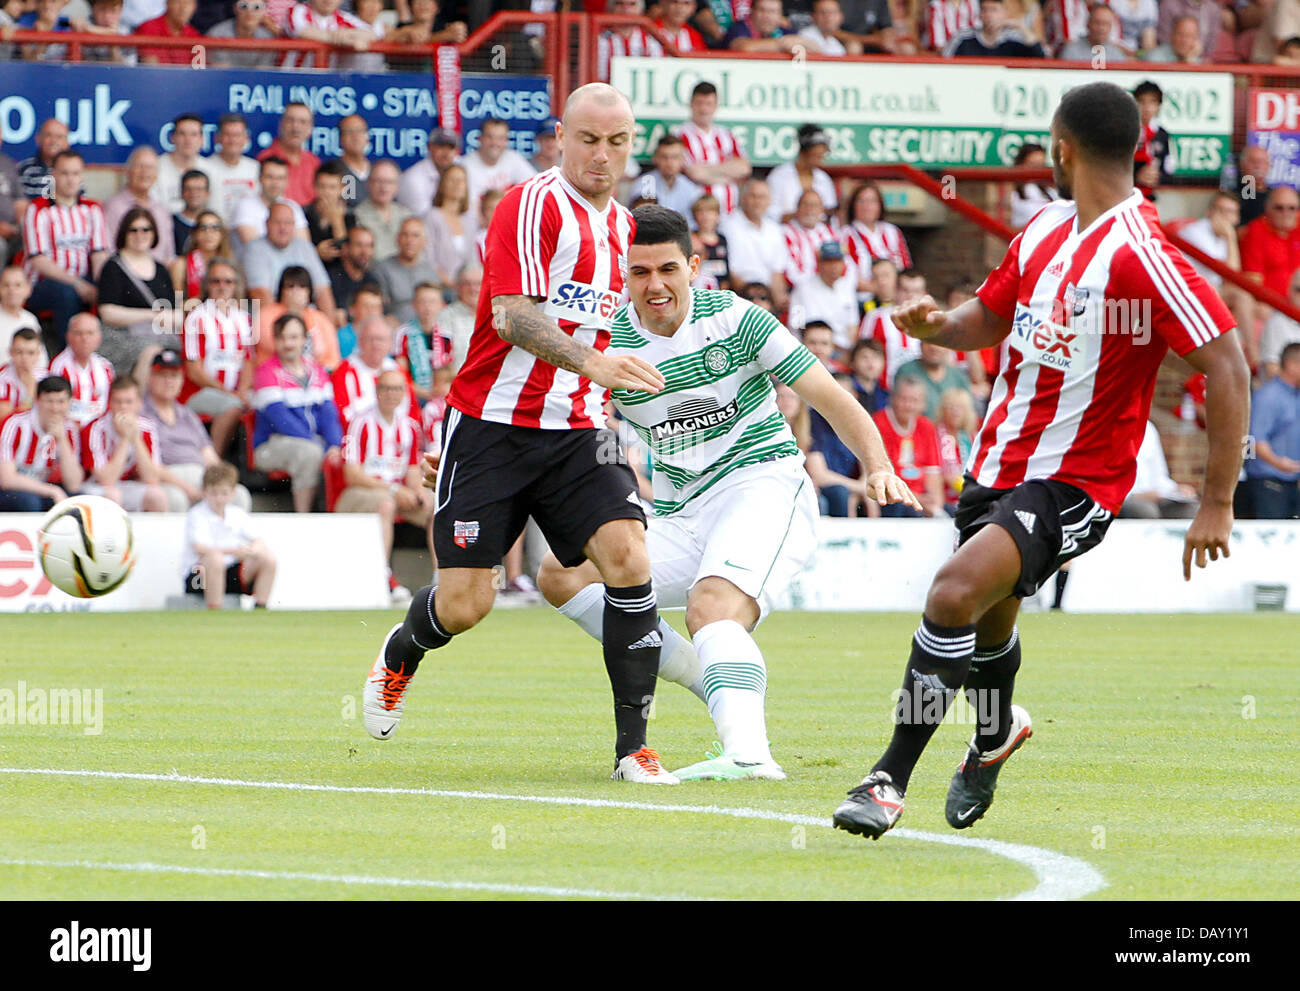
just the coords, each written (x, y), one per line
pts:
(1027, 198)
(957, 426)
(209, 240)
(867, 235)
(294, 296)
(136, 300)
(451, 226)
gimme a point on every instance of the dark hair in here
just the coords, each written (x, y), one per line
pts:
(1102, 120)
(1148, 88)
(122, 383)
(52, 383)
(371, 289)
(188, 116)
(911, 273)
(1022, 156)
(1291, 351)
(232, 118)
(25, 334)
(277, 160)
(751, 289)
(657, 224)
(132, 215)
(195, 174)
(669, 141)
(851, 204)
(283, 320)
(440, 197)
(492, 122)
(704, 89)
(333, 167)
(293, 275)
(817, 325)
(66, 153)
(867, 344)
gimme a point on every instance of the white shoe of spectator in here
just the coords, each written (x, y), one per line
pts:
(398, 595)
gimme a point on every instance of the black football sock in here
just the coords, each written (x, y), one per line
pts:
(989, 685)
(940, 660)
(420, 633)
(1062, 577)
(631, 643)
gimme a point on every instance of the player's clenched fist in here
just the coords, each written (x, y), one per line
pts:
(429, 466)
(624, 371)
(921, 319)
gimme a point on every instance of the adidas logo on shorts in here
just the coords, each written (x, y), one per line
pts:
(1027, 519)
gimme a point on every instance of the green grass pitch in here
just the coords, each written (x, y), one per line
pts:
(1163, 756)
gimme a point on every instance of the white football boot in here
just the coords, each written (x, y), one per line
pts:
(381, 699)
(644, 768)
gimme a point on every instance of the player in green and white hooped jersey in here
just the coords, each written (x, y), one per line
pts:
(735, 510)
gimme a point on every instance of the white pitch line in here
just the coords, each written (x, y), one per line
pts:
(1060, 877)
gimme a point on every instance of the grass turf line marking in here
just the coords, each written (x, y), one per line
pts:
(1060, 877)
(382, 882)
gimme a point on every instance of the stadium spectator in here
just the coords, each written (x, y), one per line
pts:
(231, 173)
(20, 375)
(368, 302)
(251, 213)
(381, 457)
(174, 23)
(945, 20)
(380, 213)
(66, 240)
(709, 244)
(1270, 245)
(547, 144)
(35, 442)
(762, 31)
(223, 554)
(217, 342)
(367, 13)
(294, 295)
(297, 422)
(756, 243)
(1065, 21)
(957, 425)
(804, 235)
(877, 325)
(1279, 332)
(329, 216)
(1216, 235)
(866, 363)
(758, 294)
(45, 15)
(667, 184)
(796, 414)
(421, 27)
(913, 447)
(715, 158)
(493, 164)
(187, 142)
(1100, 39)
(457, 320)
(993, 36)
(36, 173)
(1273, 475)
(354, 380)
(486, 207)
(867, 235)
(1137, 24)
(1184, 45)
(936, 371)
(399, 275)
(834, 470)
(1277, 22)
(183, 444)
(121, 455)
(1027, 198)
(14, 292)
(106, 19)
(818, 338)
(674, 21)
(1155, 495)
(419, 183)
(194, 192)
(451, 227)
(87, 371)
(248, 23)
(208, 240)
(1152, 160)
(788, 182)
(422, 345)
(136, 12)
(1252, 186)
(825, 30)
(829, 295)
(141, 173)
(322, 20)
(624, 39)
(12, 205)
(354, 139)
(869, 23)
(884, 292)
(291, 146)
(266, 259)
(1208, 14)
(350, 271)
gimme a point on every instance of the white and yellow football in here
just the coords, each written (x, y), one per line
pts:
(85, 546)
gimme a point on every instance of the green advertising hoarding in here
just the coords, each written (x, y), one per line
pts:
(926, 115)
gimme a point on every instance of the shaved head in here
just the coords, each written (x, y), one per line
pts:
(596, 135)
(601, 95)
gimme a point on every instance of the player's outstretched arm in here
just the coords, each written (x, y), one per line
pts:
(1227, 421)
(519, 321)
(858, 431)
(968, 327)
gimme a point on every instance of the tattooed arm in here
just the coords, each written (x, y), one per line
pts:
(519, 321)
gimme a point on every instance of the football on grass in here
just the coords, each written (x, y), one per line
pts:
(85, 546)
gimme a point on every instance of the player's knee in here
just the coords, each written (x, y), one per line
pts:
(953, 599)
(555, 582)
(154, 501)
(623, 558)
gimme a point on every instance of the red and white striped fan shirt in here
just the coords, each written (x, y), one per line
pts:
(12, 389)
(301, 16)
(90, 384)
(945, 20)
(1066, 20)
(31, 449)
(383, 450)
(102, 441)
(222, 340)
(801, 244)
(899, 348)
(713, 147)
(435, 411)
(638, 41)
(686, 38)
(354, 389)
(545, 241)
(864, 245)
(1093, 313)
(67, 235)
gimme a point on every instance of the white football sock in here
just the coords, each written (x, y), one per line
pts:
(677, 659)
(735, 684)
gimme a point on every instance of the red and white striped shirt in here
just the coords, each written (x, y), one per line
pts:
(435, 411)
(864, 245)
(801, 244)
(899, 348)
(945, 20)
(1092, 314)
(222, 341)
(686, 38)
(545, 241)
(30, 447)
(102, 441)
(354, 388)
(383, 450)
(67, 235)
(713, 147)
(12, 389)
(1067, 20)
(637, 41)
(90, 384)
(301, 17)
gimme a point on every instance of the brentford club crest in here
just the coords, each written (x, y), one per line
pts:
(463, 533)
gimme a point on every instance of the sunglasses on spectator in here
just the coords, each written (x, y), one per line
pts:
(209, 227)
(249, 5)
(139, 230)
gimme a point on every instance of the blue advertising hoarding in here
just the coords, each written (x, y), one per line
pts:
(111, 109)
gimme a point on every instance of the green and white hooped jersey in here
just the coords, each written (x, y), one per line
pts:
(717, 412)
